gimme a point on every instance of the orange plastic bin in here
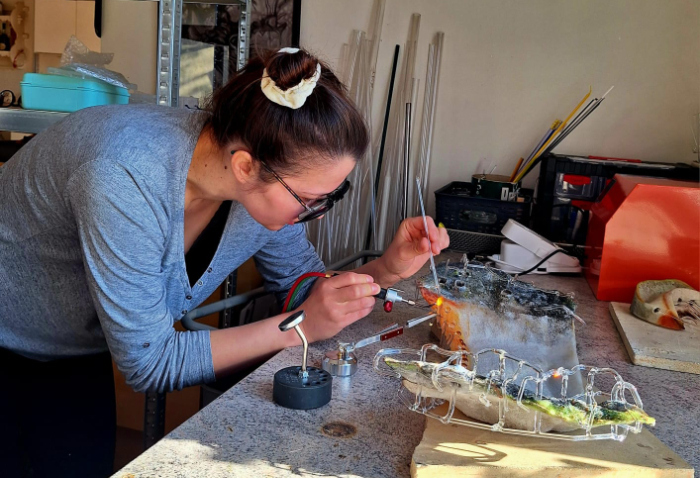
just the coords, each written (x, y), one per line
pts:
(643, 229)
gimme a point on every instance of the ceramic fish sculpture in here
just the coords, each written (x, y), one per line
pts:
(480, 307)
(475, 396)
(667, 303)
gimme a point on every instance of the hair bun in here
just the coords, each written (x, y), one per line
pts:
(288, 69)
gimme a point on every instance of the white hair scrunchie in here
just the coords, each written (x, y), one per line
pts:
(294, 97)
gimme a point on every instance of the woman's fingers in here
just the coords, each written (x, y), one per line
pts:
(337, 302)
(433, 230)
(349, 292)
(357, 315)
(355, 292)
(424, 246)
(358, 305)
(444, 237)
(439, 238)
(346, 279)
(415, 229)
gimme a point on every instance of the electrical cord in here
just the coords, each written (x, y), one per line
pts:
(545, 259)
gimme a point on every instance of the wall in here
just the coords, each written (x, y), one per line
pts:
(11, 77)
(510, 68)
(129, 30)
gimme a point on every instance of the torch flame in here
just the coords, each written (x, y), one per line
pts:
(439, 301)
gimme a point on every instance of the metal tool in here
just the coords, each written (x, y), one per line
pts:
(389, 296)
(343, 362)
(427, 235)
(301, 388)
(419, 320)
(292, 322)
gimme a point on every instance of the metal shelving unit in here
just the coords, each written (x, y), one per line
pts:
(167, 94)
(27, 121)
(169, 41)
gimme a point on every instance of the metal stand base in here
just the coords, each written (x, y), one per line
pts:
(338, 365)
(290, 391)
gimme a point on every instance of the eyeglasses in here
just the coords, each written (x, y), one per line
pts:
(318, 207)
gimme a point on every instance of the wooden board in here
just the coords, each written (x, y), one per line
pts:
(653, 346)
(457, 451)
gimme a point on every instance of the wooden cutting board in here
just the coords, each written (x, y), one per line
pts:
(457, 451)
(653, 346)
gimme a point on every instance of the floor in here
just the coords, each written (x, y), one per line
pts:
(130, 441)
(129, 446)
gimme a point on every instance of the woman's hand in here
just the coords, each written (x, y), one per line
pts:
(410, 248)
(332, 305)
(337, 302)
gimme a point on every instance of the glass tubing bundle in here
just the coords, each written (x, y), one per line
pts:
(344, 230)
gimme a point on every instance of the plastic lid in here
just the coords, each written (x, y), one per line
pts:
(70, 83)
(535, 243)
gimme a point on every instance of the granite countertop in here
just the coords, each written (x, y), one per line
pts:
(365, 431)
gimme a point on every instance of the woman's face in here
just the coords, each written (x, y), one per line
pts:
(274, 207)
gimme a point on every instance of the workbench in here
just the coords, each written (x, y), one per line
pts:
(365, 431)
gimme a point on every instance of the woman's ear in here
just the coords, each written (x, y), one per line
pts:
(243, 167)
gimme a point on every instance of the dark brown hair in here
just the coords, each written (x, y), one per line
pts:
(326, 127)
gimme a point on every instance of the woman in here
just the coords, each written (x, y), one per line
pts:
(109, 228)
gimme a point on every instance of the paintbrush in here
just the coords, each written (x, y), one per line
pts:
(532, 163)
(427, 234)
(546, 136)
(577, 121)
(515, 170)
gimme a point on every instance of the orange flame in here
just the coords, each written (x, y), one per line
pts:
(439, 301)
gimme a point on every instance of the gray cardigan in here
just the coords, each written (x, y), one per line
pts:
(92, 249)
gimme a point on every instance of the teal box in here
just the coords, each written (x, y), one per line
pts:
(67, 94)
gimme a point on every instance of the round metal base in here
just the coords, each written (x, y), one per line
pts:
(290, 391)
(336, 365)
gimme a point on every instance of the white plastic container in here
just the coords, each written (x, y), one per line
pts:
(524, 248)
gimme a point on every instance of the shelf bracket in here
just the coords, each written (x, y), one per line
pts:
(170, 32)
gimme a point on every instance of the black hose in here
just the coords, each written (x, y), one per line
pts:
(378, 173)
